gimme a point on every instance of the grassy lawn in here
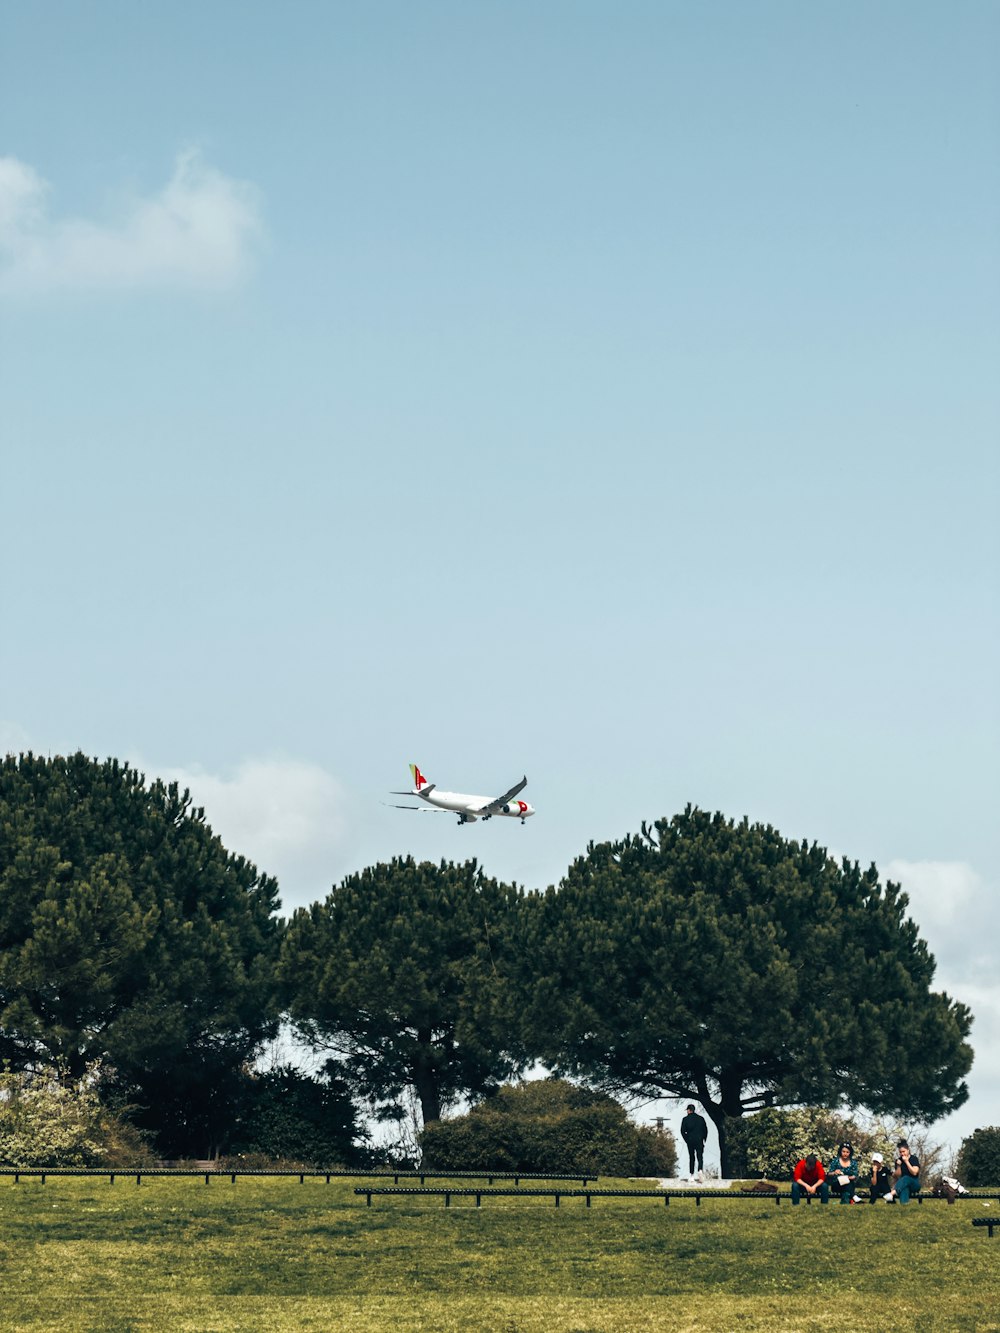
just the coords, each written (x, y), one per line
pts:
(274, 1254)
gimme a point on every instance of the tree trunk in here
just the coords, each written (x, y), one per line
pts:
(425, 1082)
(718, 1118)
(728, 1106)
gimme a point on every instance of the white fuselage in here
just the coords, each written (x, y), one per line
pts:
(471, 806)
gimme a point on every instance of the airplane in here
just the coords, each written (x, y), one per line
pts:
(468, 808)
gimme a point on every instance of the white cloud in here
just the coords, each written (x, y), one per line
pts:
(199, 232)
(291, 818)
(958, 914)
(22, 197)
(13, 738)
(938, 890)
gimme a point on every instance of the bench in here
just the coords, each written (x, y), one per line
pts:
(41, 1173)
(446, 1192)
(988, 1222)
(556, 1194)
(467, 1192)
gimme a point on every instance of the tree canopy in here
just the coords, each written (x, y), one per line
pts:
(129, 933)
(717, 961)
(979, 1158)
(702, 959)
(401, 973)
(288, 1114)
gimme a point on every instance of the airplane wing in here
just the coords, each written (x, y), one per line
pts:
(501, 801)
(420, 809)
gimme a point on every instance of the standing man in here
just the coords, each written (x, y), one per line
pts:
(694, 1132)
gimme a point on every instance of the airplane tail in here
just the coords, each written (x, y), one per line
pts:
(419, 781)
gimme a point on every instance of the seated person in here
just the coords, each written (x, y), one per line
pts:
(842, 1173)
(906, 1173)
(809, 1177)
(879, 1180)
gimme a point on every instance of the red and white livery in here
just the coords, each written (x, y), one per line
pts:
(468, 808)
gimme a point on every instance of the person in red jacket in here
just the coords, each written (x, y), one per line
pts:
(809, 1177)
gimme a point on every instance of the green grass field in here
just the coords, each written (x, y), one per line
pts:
(274, 1254)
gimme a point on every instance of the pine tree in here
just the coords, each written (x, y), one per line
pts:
(715, 961)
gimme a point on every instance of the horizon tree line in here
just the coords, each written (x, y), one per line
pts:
(702, 958)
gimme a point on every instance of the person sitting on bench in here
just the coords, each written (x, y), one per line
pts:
(880, 1182)
(842, 1173)
(906, 1174)
(809, 1177)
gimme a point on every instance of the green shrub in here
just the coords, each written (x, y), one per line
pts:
(548, 1125)
(44, 1122)
(286, 1115)
(978, 1163)
(656, 1152)
(770, 1142)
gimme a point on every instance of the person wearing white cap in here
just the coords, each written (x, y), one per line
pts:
(880, 1182)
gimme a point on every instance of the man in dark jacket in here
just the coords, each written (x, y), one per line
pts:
(694, 1132)
(906, 1174)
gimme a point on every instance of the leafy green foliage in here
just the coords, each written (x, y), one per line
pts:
(129, 933)
(770, 1142)
(548, 1125)
(978, 1163)
(401, 973)
(717, 961)
(285, 1114)
(44, 1122)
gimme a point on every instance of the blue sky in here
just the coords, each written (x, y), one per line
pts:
(602, 392)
